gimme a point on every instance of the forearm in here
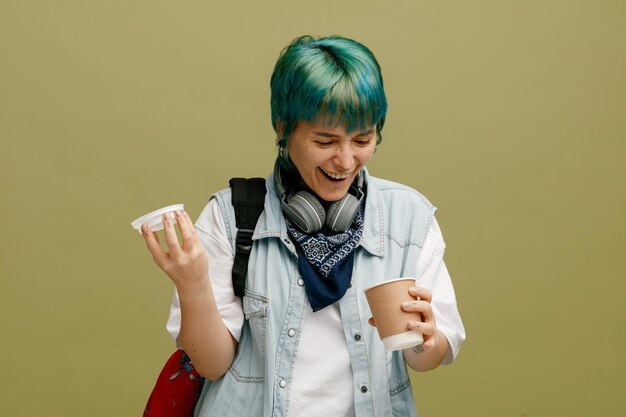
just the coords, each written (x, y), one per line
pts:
(422, 360)
(203, 335)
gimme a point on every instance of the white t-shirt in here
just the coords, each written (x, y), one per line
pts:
(320, 373)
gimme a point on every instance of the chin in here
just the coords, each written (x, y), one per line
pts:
(332, 197)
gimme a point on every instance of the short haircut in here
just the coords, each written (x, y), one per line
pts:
(332, 77)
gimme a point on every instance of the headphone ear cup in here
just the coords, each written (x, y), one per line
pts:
(341, 213)
(305, 211)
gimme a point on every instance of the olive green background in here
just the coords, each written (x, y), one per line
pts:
(509, 115)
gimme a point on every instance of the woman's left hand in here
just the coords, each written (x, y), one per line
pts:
(427, 327)
(432, 351)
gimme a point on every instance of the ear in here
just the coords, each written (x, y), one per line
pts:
(279, 130)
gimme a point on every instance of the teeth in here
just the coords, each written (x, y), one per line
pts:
(335, 176)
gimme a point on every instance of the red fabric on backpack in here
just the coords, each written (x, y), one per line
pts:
(177, 389)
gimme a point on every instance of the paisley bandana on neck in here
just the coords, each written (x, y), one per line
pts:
(325, 261)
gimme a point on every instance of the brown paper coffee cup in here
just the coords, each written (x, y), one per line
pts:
(385, 301)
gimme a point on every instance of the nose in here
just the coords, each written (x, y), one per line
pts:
(344, 159)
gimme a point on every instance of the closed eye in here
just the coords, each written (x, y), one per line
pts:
(365, 139)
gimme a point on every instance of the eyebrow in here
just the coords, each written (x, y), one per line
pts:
(332, 135)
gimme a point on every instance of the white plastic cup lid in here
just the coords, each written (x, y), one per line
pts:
(154, 219)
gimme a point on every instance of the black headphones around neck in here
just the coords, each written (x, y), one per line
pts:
(306, 212)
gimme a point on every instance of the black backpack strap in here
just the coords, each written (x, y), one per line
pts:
(248, 198)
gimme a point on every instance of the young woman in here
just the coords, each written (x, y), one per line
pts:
(301, 341)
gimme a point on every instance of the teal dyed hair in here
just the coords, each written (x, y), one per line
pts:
(333, 78)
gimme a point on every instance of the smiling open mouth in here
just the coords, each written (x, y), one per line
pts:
(335, 178)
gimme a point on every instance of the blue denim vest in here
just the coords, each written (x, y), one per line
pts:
(396, 221)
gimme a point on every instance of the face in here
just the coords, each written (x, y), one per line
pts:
(328, 158)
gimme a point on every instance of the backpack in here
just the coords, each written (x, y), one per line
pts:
(179, 385)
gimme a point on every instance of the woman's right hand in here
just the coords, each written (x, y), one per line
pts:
(203, 334)
(186, 264)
